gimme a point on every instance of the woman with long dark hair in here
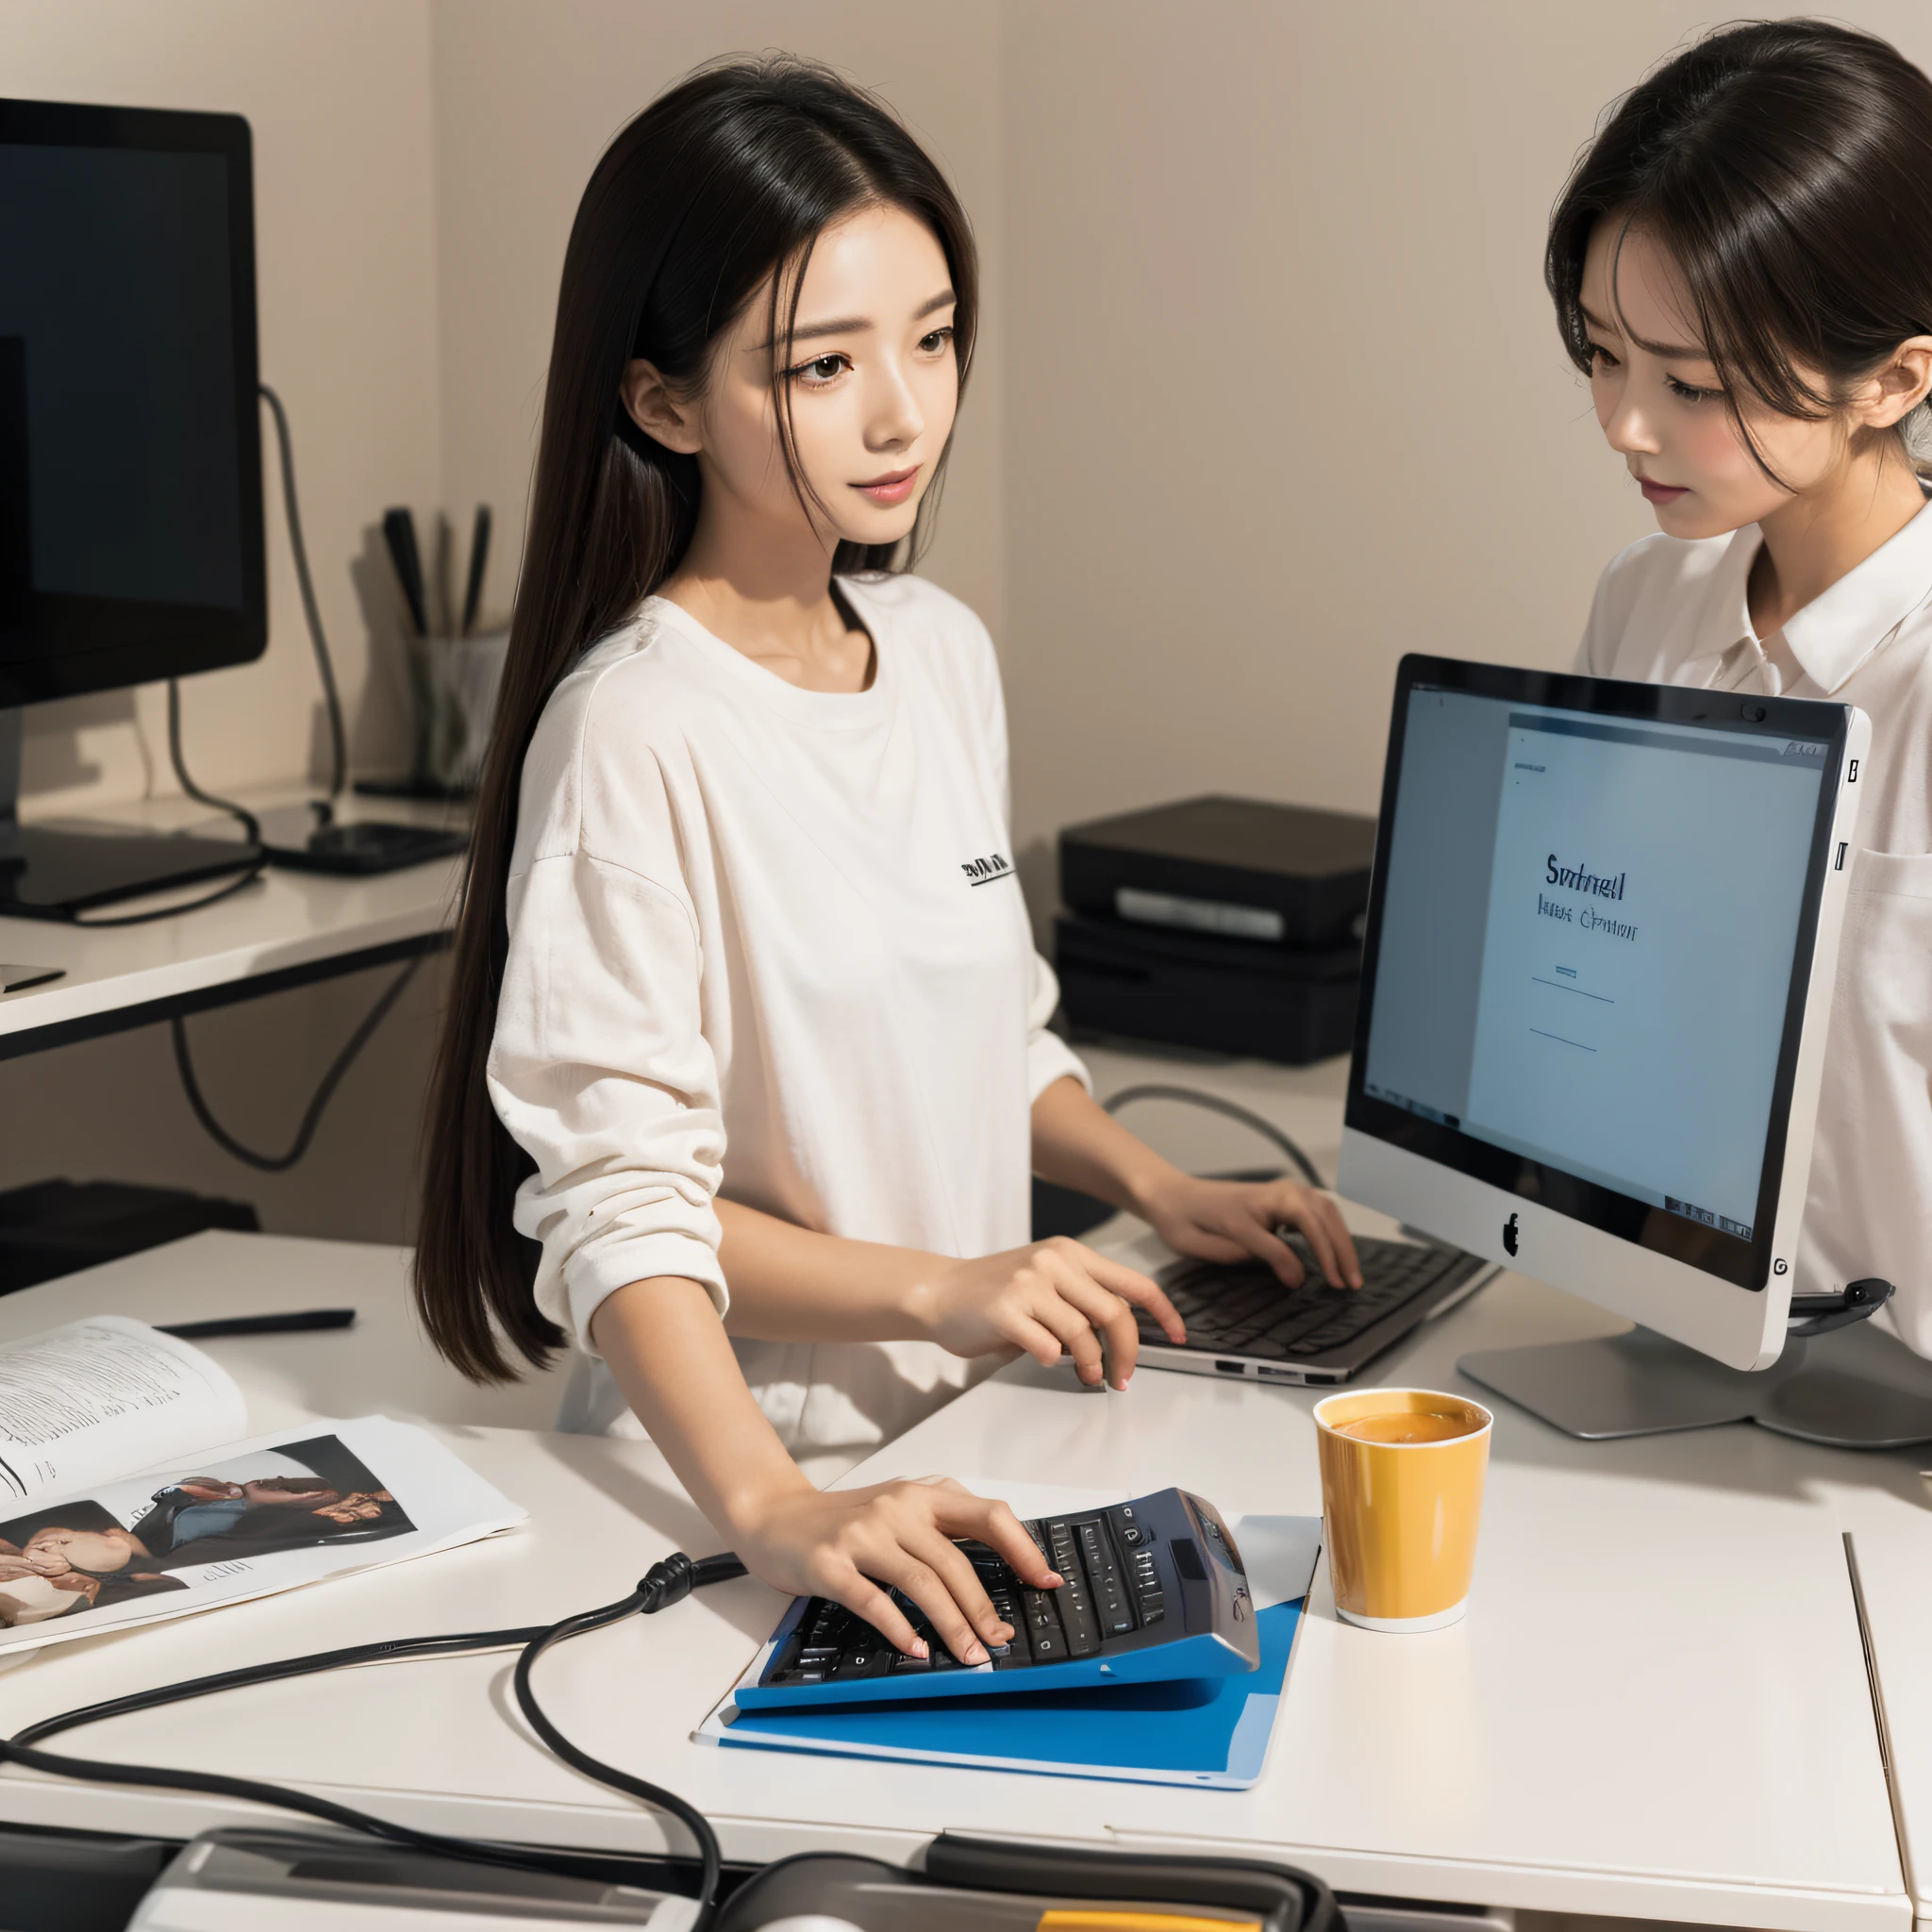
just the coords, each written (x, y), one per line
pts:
(1741, 263)
(747, 1061)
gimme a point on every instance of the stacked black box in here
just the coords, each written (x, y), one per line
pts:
(1219, 923)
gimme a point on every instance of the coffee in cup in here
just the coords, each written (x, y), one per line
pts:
(1402, 1494)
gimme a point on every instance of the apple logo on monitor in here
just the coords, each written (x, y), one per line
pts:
(1509, 1235)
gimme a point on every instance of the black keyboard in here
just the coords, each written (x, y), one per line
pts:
(1149, 1589)
(1247, 1309)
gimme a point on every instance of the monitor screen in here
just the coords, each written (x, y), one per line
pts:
(130, 525)
(1590, 943)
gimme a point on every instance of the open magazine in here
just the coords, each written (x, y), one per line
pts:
(126, 1496)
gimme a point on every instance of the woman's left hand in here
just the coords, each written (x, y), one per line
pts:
(1229, 1221)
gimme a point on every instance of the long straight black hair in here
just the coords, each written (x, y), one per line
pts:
(711, 199)
(1786, 167)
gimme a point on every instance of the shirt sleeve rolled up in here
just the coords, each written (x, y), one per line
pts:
(601, 1072)
(1048, 1057)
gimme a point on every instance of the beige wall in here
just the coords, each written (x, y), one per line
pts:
(1269, 395)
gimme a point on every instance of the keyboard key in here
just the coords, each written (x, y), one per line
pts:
(1083, 1631)
(1037, 1608)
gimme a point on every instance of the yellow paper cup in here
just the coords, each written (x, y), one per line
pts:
(1401, 1517)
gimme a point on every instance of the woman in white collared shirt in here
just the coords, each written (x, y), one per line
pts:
(1742, 264)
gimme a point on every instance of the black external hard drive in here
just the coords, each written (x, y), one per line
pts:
(1237, 868)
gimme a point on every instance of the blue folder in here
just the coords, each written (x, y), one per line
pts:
(1210, 1731)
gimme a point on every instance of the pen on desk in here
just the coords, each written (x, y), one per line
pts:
(479, 555)
(301, 1321)
(18, 979)
(399, 533)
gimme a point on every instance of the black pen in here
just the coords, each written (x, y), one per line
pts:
(399, 533)
(479, 557)
(260, 1324)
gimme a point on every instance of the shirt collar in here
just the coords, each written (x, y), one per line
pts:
(1836, 632)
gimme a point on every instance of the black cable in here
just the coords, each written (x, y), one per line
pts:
(311, 611)
(388, 1651)
(251, 825)
(311, 1119)
(234, 886)
(250, 828)
(339, 761)
(325, 1092)
(1193, 1097)
(666, 1583)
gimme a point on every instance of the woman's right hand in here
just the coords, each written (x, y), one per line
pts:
(856, 1546)
(1039, 1300)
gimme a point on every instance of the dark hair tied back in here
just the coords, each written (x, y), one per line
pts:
(1786, 167)
(714, 194)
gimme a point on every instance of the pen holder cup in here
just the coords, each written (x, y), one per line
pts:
(455, 682)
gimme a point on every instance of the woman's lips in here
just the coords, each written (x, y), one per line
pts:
(887, 491)
(1661, 493)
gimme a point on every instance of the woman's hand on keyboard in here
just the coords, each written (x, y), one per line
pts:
(1042, 1299)
(1230, 1221)
(858, 1545)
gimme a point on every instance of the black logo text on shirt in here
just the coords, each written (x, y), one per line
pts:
(983, 872)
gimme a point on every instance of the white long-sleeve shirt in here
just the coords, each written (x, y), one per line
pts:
(768, 942)
(1668, 611)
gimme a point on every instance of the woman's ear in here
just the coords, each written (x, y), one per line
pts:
(1896, 389)
(651, 405)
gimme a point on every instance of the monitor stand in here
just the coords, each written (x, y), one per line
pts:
(54, 873)
(1853, 1388)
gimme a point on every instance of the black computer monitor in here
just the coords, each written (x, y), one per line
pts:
(130, 446)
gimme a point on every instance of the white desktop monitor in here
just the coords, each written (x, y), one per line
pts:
(1596, 978)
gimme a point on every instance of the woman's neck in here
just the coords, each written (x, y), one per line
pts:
(1822, 535)
(769, 597)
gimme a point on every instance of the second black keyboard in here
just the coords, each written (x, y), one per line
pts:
(1247, 1309)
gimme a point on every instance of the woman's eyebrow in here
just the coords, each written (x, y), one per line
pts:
(1671, 352)
(858, 324)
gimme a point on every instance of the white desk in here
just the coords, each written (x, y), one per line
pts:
(1656, 1707)
(381, 1364)
(284, 930)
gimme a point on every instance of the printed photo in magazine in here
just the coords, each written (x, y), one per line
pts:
(124, 1542)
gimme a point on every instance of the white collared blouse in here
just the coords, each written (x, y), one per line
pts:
(1668, 611)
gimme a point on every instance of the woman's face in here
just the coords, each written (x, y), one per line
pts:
(871, 378)
(1657, 399)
